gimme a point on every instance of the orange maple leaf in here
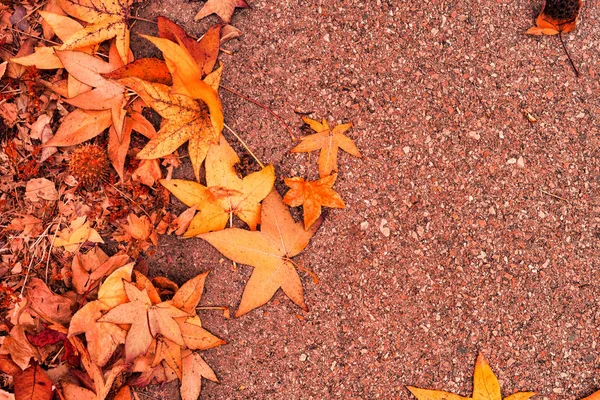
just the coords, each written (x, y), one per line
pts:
(328, 141)
(557, 16)
(269, 251)
(223, 8)
(312, 195)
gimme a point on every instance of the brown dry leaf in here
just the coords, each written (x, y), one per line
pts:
(485, 387)
(19, 348)
(185, 120)
(312, 195)
(223, 8)
(33, 384)
(102, 338)
(147, 69)
(3, 68)
(79, 232)
(269, 252)
(194, 369)
(87, 269)
(169, 352)
(557, 16)
(15, 70)
(106, 19)
(143, 283)
(139, 228)
(146, 320)
(227, 194)
(195, 336)
(148, 172)
(328, 141)
(229, 32)
(111, 292)
(48, 305)
(28, 226)
(41, 188)
(73, 392)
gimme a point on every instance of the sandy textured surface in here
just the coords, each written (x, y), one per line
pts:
(494, 221)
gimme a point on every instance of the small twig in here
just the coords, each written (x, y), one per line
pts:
(33, 36)
(129, 198)
(568, 55)
(245, 146)
(555, 196)
(142, 19)
(264, 108)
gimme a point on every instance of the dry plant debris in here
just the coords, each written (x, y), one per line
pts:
(557, 16)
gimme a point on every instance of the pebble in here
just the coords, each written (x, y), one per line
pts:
(303, 357)
(474, 135)
(364, 226)
(521, 162)
(383, 228)
(511, 161)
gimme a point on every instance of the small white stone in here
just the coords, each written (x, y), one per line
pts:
(303, 357)
(511, 161)
(521, 162)
(406, 149)
(474, 135)
(364, 226)
(326, 37)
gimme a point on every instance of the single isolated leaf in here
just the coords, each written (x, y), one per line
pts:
(312, 195)
(557, 16)
(485, 387)
(106, 19)
(226, 193)
(328, 141)
(223, 8)
(185, 119)
(269, 251)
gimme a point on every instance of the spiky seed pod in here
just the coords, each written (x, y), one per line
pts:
(89, 165)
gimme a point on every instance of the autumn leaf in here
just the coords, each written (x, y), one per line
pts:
(312, 195)
(223, 8)
(557, 16)
(186, 119)
(87, 269)
(48, 305)
(485, 387)
(146, 320)
(593, 396)
(194, 369)
(19, 348)
(328, 141)
(77, 233)
(41, 188)
(106, 19)
(226, 193)
(33, 384)
(269, 251)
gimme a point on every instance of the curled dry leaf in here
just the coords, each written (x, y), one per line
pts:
(48, 305)
(77, 233)
(269, 251)
(312, 195)
(18, 347)
(328, 141)
(485, 387)
(33, 384)
(87, 269)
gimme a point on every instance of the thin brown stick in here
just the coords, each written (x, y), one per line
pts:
(33, 36)
(245, 146)
(568, 55)
(555, 196)
(264, 108)
(142, 19)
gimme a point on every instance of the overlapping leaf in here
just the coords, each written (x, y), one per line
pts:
(226, 193)
(269, 251)
(558, 16)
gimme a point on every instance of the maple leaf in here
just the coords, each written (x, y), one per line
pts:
(194, 368)
(223, 8)
(485, 387)
(186, 119)
(106, 19)
(557, 16)
(33, 384)
(328, 141)
(312, 195)
(48, 305)
(269, 251)
(146, 320)
(87, 269)
(226, 193)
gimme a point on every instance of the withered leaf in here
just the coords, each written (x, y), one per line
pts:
(194, 369)
(33, 384)
(557, 16)
(485, 387)
(328, 141)
(48, 305)
(223, 8)
(106, 19)
(312, 195)
(269, 251)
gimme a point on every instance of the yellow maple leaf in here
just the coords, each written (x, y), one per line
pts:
(226, 193)
(485, 387)
(106, 19)
(77, 233)
(328, 141)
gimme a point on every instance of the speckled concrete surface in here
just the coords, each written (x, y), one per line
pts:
(494, 221)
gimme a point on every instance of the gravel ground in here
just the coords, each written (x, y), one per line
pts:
(494, 221)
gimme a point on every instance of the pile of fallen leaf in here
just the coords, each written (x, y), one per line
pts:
(85, 192)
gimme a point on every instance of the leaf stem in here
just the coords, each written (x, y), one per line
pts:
(264, 108)
(245, 145)
(568, 55)
(308, 271)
